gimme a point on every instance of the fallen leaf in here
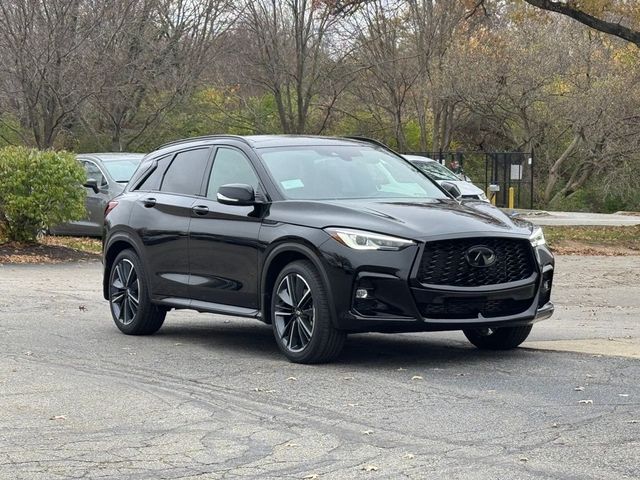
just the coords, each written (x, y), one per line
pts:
(417, 377)
(292, 379)
(367, 432)
(347, 378)
(28, 354)
(370, 468)
(291, 444)
(579, 389)
(554, 425)
(82, 308)
(524, 459)
(586, 402)
(311, 476)
(633, 421)
(58, 417)
(408, 456)
(352, 404)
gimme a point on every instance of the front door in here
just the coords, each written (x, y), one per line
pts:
(223, 248)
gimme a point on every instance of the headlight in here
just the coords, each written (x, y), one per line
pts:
(537, 238)
(361, 240)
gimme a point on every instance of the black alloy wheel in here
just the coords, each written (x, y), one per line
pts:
(301, 315)
(131, 306)
(503, 338)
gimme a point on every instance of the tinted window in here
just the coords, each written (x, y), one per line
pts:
(185, 172)
(153, 181)
(230, 166)
(94, 172)
(342, 172)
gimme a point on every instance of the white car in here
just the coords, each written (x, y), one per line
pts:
(440, 174)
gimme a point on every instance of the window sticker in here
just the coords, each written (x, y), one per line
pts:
(293, 183)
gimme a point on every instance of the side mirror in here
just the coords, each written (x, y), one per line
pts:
(452, 189)
(236, 194)
(92, 183)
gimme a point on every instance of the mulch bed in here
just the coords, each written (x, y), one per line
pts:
(39, 253)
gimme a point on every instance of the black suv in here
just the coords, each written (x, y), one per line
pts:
(318, 237)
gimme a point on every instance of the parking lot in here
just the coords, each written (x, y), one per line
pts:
(212, 397)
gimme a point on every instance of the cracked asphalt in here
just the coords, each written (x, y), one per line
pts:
(212, 397)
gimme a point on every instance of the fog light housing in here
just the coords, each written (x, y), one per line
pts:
(362, 293)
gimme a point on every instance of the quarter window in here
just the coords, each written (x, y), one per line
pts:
(230, 166)
(186, 172)
(153, 181)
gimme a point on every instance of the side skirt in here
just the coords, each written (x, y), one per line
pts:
(209, 307)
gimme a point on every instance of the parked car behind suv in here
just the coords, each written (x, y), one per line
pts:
(318, 237)
(107, 175)
(440, 174)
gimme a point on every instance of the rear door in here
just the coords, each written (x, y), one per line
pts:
(223, 248)
(161, 218)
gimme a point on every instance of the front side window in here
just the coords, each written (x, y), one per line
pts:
(230, 166)
(154, 179)
(186, 171)
(95, 173)
(344, 172)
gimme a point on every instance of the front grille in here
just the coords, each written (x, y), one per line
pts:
(444, 262)
(458, 308)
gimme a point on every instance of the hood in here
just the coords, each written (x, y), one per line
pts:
(466, 188)
(415, 219)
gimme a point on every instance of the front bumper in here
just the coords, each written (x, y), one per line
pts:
(397, 302)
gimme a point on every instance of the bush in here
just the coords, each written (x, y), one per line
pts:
(38, 189)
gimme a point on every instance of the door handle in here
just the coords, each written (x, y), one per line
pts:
(149, 202)
(200, 210)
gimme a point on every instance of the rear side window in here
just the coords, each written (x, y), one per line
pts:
(153, 181)
(186, 172)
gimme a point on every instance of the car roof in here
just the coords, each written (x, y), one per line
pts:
(269, 141)
(111, 156)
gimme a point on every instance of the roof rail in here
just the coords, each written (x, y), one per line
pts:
(202, 137)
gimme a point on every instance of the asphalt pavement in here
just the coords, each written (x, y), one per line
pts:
(212, 397)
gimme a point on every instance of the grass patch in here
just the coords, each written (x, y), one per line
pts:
(50, 249)
(602, 240)
(82, 244)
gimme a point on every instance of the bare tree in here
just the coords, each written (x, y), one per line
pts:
(42, 47)
(289, 54)
(154, 62)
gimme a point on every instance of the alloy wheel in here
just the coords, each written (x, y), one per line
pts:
(294, 313)
(125, 292)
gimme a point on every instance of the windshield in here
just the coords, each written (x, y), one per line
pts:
(435, 170)
(345, 172)
(122, 170)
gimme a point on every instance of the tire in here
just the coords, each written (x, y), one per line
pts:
(126, 284)
(504, 338)
(302, 324)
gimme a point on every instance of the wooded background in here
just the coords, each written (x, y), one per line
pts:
(421, 75)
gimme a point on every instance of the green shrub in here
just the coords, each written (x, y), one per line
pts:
(38, 189)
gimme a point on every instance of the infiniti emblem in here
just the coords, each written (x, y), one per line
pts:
(480, 256)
